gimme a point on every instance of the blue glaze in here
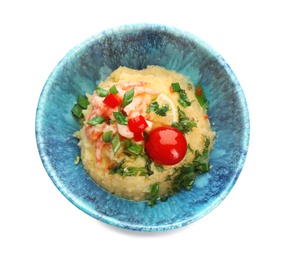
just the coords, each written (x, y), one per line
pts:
(137, 46)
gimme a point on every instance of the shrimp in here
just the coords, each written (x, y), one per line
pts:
(128, 85)
(93, 132)
(143, 90)
(124, 131)
(139, 88)
(100, 108)
(138, 106)
(100, 143)
(99, 146)
(141, 99)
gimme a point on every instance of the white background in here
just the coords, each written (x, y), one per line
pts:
(37, 222)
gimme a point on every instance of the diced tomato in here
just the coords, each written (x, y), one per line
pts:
(137, 124)
(198, 91)
(139, 136)
(112, 100)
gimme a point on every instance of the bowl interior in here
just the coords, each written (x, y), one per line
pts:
(137, 46)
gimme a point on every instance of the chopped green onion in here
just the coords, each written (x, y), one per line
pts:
(107, 136)
(135, 149)
(128, 97)
(102, 92)
(97, 120)
(116, 143)
(114, 90)
(199, 93)
(121, 119)
(83, 102)
(175, 87)
(77, 111)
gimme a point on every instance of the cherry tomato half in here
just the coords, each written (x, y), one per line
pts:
(166, 145)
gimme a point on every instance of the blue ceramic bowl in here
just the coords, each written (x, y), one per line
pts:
(137, 46)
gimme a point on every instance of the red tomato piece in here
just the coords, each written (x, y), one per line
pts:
(112, 100)
(198, 91)
(166, 145)
(137, 124)
(139, 136)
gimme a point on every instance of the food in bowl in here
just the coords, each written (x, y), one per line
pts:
(145, 134)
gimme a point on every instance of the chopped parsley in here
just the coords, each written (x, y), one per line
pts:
(154, 107)
(189, 172)
(183, 101)
(127, 170)
(185, 176)
(153, 194)
(184, 124)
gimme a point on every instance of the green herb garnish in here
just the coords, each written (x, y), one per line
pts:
(175, 87)
(185, 124)
(127, 171)
(154, 106)
(101, 92)
(189, 172)
(128, 97)
(148, 166)
(121, 118)
(131, 149)
(199, 93)
(133, 171)
(116, 143)
(135, 149)
(97, 120)
(159, 167)
(83, 102)
(77, 111)
(118, 167)
(183, 101)
(162, 111)
(153, 194)
(107, 136)
(114, 90)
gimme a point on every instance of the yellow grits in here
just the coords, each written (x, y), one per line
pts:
(137, 187)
